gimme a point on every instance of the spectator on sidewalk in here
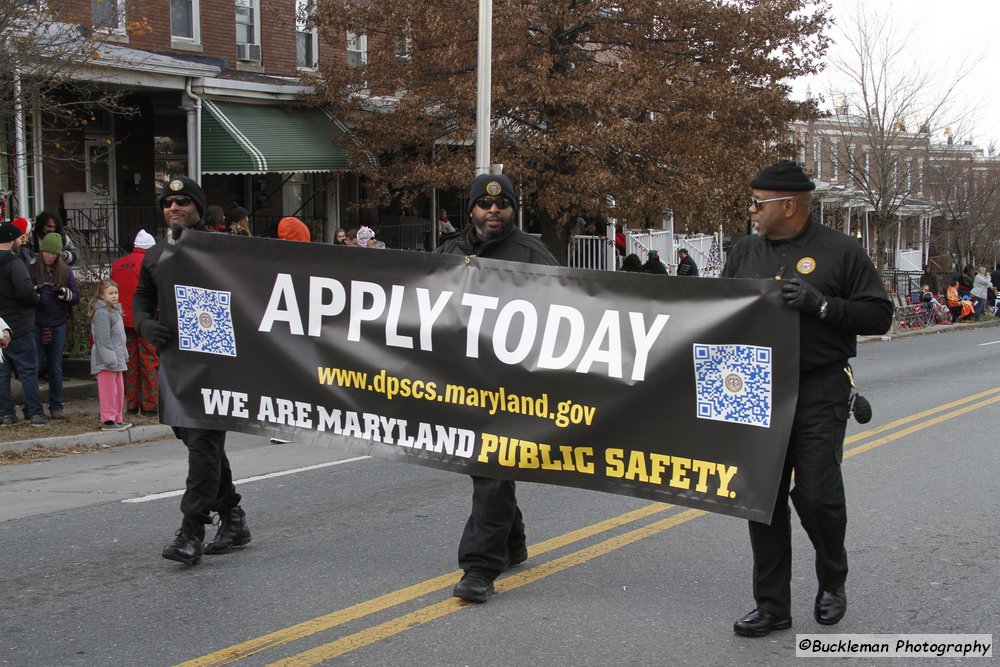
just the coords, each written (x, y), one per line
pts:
(58, 293)
(17, 307)
(22, 246)
(209, 478)
(980, 290)
(215, 220)
(141, 388)
(108, 355)
(4, 337)
(685, 265)
(239, 221)
(654, 265)
(632, 263)
(48, 222)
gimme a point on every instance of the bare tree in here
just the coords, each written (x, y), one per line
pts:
(885, 111)
(658, 103)
(48, 55)
(966, 187)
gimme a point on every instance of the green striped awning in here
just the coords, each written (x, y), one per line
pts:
(265, 139)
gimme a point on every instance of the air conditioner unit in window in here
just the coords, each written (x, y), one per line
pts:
(250, 52)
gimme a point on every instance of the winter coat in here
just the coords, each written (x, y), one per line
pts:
(17, 294)
(980, 286)
(125, 272)
(108, 352)
(514, 246)
(51, 310)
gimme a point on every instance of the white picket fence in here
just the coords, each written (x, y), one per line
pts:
(598, 252)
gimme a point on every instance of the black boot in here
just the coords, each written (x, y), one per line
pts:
(186, 547)
(233, 532)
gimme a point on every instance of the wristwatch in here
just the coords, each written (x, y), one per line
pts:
(822, 308)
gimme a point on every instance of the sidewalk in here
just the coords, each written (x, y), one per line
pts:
(81, 398)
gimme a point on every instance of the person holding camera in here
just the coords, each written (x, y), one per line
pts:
(829, 279)
(57, 293)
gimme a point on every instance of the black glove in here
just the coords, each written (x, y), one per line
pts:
(802, 295)
(64, 293)
(155, 332)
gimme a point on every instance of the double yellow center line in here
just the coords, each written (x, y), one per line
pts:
(535, 572)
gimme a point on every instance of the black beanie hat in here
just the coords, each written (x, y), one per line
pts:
(182, 185)
(491, 185)
(237, 214)
(783, 176)
(9, 232)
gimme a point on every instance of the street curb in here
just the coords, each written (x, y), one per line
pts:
(110, 438)
(933, 329)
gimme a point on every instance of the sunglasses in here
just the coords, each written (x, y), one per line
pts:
(180, 201)
(486, 203)
(759, 203)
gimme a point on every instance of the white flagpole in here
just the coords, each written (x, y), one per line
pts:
(483, 79)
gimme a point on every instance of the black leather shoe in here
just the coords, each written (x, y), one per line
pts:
(186, 547)
(474, 587)
(760, 623)
(830, 606)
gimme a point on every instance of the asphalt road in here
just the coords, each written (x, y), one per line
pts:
(353, 560)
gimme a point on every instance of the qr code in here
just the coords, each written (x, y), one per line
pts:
(204, 320)
(733, 383)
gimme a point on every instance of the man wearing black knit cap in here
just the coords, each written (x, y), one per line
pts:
(828, 277)
(493, 539)
(209, 485)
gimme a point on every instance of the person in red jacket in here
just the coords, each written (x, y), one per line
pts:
(141, 393)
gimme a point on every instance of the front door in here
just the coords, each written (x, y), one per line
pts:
(101, 186)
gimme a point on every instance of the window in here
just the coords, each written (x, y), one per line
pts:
(866, 166)
(247, 27)
(920, 176)
(357, 49)
(305, 37)
(109, 14)
(184, 23)
(401, 47)
(817, 160)
(835, 161)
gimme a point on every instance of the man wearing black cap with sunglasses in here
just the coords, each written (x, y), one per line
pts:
(493, 539)
(828, 277)
(209, 481)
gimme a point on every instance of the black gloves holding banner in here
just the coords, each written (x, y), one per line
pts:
(154, 332)
(800, 294)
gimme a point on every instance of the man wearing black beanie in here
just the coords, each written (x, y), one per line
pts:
(493, 539)
(828, 277)
(209, 485)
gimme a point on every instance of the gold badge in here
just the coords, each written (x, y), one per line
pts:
(733, 383)
(493, 188)
(177, 185)
(806, 265)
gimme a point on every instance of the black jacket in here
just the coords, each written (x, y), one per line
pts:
(514, 246)
(17, 295)
(839, 268)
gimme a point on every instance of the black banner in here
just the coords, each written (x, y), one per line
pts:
(674, 389)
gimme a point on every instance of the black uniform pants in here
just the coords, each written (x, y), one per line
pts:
(209, 481)
(815, 452)
(494, 529)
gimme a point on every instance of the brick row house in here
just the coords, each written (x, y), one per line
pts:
(213, 90)
(909, 175)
